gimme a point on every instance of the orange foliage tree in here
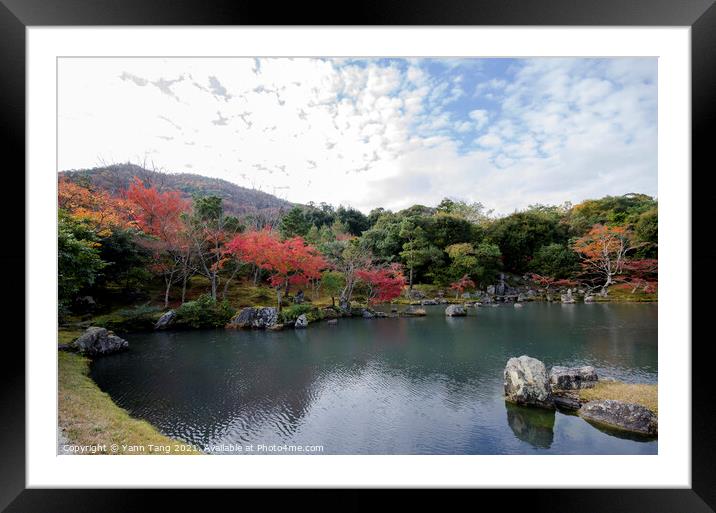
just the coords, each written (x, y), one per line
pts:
(99, 209)
(460, 285)
(604, 251)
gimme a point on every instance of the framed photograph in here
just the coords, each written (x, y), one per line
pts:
(447, 247)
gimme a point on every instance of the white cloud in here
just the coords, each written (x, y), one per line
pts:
(371, 133)
(480, 116)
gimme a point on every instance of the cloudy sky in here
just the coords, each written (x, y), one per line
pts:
(373, 132)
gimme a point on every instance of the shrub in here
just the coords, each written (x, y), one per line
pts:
(204, 312)
(139, 318)
(291, 313)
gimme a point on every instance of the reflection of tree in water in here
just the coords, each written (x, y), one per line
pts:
(532, 425)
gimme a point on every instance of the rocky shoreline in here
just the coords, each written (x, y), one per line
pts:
(527, 383)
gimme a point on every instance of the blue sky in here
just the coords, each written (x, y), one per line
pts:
(373, 132)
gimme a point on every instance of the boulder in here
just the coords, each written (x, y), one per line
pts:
(491, 290)
(299, 297)
(589, 298)
(631, 417)
(332, 321)
(416, 294)
(367, 314)
(259, 317)
(573, 378)
(166, 320)
(275, 327)
(429, 302)
(566, 401)
(393, 309)
(415, 312)
(455, 311)
(301, 322)
(97, 341)
(518, 305)
(527, 383)
(568, 298)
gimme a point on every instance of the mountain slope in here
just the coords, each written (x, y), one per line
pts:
(237, 200)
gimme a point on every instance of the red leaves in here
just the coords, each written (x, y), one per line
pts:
(157, 213)
(384, 283)
(291, 261)
(463, 283)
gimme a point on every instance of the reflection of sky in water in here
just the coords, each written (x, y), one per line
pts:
(383, 386)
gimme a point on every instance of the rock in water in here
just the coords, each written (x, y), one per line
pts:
(567, 298)
(260, 317)
(166, 320)
(527, 383)
(414, 312)
(564, 401)
(573, 378)
(455, 311)
(631, 417)
(518, 305)
(367, 314)
(98, 341)
(301, 321)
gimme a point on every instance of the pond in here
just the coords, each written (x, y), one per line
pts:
(429, 385)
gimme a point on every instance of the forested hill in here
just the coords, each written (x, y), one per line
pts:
(237, 200)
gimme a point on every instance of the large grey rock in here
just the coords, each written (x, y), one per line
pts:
(411, 311)
(568, 298)
(631, 417)
(573, 378)
(429, 302)
(166, 320)
(301, 322)
(97, 341)
(455, 311)
(527, 383)
(262, 317)
(367, 314)
(568, 401)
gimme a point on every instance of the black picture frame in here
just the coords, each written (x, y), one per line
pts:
(700, 15)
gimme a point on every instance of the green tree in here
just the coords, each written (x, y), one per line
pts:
(417, 251)
(355, 221)
(556, 261)
(78, 259)
(332, 283)
(294, 224)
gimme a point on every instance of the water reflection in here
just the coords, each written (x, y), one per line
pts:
(426, 385)
(532, 425)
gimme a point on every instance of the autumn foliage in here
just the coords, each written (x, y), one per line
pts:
(289, 262)
(95, 206)
(384, 283)
(460, 285)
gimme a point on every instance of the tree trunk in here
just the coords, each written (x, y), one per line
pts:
(183, 288)
(213, 286)
(278, 297)
(333, 301)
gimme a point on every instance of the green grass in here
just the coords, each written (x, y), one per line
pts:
(645, 395)
(67, 336)
(89, 417)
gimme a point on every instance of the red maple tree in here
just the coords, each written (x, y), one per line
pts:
(158, 215)
(290, 262)
(384, 283)
(460, 285)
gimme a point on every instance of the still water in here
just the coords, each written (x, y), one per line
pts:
(430, 385)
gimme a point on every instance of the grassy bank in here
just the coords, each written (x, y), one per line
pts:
(88, 416)
(645, 395)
